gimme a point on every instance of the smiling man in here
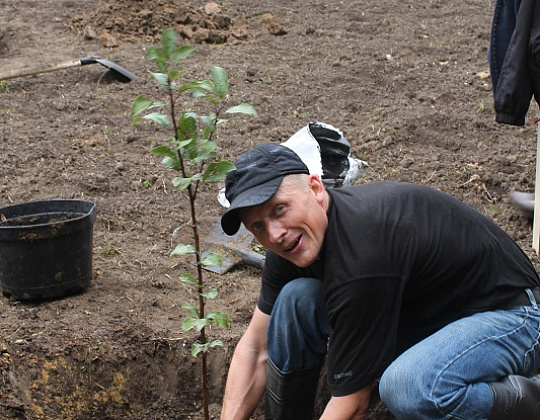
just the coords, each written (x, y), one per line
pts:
(386, 280)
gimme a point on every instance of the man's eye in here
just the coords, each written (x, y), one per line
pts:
(257, 227)
(279, 209)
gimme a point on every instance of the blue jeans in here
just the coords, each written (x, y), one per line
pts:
(299, 327)
(444, 376)
(502, 28)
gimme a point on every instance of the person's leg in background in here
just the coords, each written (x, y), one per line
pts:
(502, 29)
(297, 344)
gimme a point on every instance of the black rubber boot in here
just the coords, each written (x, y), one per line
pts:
(290, 396)
(516, 398)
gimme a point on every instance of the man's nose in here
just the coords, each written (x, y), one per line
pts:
(276, 231)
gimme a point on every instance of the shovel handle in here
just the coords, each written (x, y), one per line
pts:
(30, 71)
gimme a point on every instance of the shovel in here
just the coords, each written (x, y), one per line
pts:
(119, 73)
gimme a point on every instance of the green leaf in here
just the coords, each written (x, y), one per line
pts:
(205, 151)
(172, 163)
(187, 125)
(219, 318)
(158, 56)
(162, 79)
(155, 53)
(207, 146)
(169, 41)
(170, 160)
(189, 279)
(198, 93)
(215, 343)
(216, 171)
(221, 84)
(181, 53)
(197, 348)
(205, 85)
(141, 104)
(211, 259)
(182, 249)
(211, 294)
(208, 121)
(208, 132)
(188, 86)
(162, 150)
(159, 118)
(184, 146)
(174, 74)
(201, 323)
(242, 109)
(203, 90)
(190, 323)
(181, 183)
(191, 114)
(191, 309)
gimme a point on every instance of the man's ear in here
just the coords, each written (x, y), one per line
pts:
(317, 186)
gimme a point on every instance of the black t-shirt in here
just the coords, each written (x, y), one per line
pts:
(399, 262)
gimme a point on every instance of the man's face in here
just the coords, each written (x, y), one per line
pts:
(293, 222)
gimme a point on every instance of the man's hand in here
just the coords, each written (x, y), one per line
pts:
(350, 407)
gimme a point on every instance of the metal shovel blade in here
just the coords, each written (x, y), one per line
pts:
(120, 73)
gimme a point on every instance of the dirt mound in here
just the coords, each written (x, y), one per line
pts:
(86, 376)
(143, 21)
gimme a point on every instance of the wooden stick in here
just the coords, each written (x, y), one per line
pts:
(30, 71)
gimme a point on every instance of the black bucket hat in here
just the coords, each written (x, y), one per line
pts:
(256, 179)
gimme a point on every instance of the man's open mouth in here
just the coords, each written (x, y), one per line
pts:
(294, 244)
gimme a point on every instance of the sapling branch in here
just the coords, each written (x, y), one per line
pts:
(192, 148)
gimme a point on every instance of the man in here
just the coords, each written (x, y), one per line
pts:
(387, 280)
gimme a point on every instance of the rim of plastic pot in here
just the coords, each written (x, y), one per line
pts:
(78, 210)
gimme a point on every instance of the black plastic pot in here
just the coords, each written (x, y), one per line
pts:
(46, 248)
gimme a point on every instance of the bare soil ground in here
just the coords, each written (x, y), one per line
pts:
(406, 81)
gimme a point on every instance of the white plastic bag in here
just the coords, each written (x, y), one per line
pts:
(325, 152)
